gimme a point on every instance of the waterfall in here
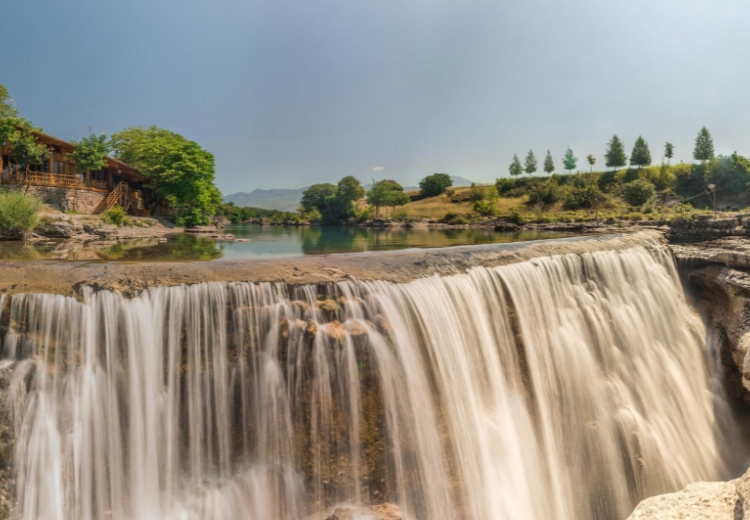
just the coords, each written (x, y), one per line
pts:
(566, 387)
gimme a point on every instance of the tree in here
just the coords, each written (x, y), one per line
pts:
(668, 151)
(386, 193)
(29, 152)
(530, 163)
(10, 124)
(592, 161)
(641, 155)
(6, 109)
(615, 156)
(638, 192)
(90, 153)
(569, 160)
(515, 167)
(435, 184)
(340, 207)
(317, 197)
(704, 146)
(178, 170)
(549, 164)
(349, 188)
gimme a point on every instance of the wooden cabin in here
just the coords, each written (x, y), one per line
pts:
(118, 183)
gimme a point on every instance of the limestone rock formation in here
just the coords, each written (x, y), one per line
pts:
(698, 501)
(377, 512)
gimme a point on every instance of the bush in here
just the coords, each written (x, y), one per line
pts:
(454, 219)
(17, 214)
(638, 192)
(515, 216)
(115, 216)
(486, 208)
(545, 194)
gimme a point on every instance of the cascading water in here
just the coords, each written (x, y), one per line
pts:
(564, 387)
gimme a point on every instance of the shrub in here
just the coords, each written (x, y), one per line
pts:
(545, 194)
(486, 208)
(115, 216)
(638, 192)
(454, 219)
(515, 216)
(17, 214)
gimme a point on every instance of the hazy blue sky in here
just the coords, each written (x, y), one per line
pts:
(286, 93)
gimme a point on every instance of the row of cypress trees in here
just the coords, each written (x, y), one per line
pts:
(615, 155)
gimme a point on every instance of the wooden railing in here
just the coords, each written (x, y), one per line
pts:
(125, 197)
(115, 198)
(60, 180)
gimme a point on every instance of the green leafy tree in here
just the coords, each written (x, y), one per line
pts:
(549, 164)
(530, 165)
(386, 193)
(615, 156)
(340, 207)
(11, 125)
(641, 155)
(704, 146)
(178, 170)
(570, 160)
(592, 161)
(515, 167)
(7, 108)
(29, 152)
(668, 151)
(90, 153)
(435, 184)
(349, 188)
(638, 192)
(318, 196)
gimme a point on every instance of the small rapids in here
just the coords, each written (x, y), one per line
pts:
(566, 387)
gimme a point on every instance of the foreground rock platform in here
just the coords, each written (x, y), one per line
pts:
(69, 277)
(700, 501)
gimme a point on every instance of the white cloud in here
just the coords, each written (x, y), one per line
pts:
(378, 169)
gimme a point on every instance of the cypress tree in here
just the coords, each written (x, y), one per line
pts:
(641, 155)
(592, 161)
(549, 164)
(704, 146)
(668, 151)
(515, 167)
(615, 155)
(530, 164)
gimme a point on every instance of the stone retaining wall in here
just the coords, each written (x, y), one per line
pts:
(63, 199)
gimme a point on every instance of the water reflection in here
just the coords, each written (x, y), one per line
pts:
(264, 241)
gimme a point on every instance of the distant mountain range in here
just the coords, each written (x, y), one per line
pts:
(289, 199)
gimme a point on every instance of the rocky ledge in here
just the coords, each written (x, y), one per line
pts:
(700, 501)
(68, 278)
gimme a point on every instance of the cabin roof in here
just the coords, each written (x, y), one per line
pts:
(123, 169)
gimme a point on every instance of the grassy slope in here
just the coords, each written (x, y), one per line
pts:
(435, 208)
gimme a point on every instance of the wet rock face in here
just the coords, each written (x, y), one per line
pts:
(6, 444)
(722, 296)
(716, 277)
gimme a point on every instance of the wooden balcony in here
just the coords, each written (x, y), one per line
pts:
(58, 180)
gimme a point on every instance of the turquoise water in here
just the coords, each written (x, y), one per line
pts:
(267, 242)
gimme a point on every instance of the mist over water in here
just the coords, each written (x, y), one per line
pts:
(566, 387)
